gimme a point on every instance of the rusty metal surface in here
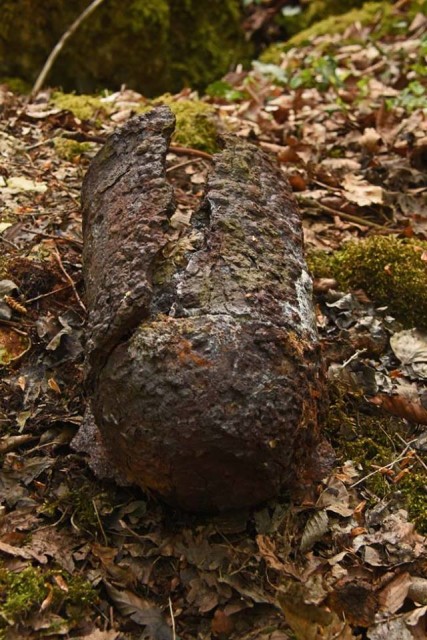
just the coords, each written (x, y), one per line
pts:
(204, 374)
(126, 201)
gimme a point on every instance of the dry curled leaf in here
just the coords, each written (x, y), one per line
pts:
(410, 347)
(393, 595)
(141, 611)
(401, 407)
(309, 621)
(359, 191)
(314, 530)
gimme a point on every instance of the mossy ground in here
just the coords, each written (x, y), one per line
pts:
(373, 441)
(196, 122)
(381, 15)
(315, 11)
(196, 125)
(83, 502)
(23, 593)
(70, 149)
(391, 271)
(84, 107)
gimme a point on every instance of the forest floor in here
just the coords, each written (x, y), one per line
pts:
(83, 558)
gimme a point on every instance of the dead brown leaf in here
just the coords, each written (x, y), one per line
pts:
(222, 625)
(311, 622)
(142, 611)
(358, 190)
(393, 595)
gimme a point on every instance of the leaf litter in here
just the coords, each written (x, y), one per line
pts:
(343, 560)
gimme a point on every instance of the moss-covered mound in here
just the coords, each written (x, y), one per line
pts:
(313, 12)
(382, 16)
(150, 45)
(196, 126)
(23, 592)
(83, 106)
(393, 273)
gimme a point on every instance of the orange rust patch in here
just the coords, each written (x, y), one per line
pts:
(187, 355)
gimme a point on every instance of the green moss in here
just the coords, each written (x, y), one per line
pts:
(84, 107)
(79, 597)
(391, 271)
(70, 149)
(23, 593)
(12, 346)
(378, 13)
(84, 504)
(195, 123)
(382, 16)
(414, 488)
(16, 85)
(371, 441)
(315, 11)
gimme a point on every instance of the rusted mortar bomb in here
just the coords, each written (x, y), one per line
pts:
(204, 375)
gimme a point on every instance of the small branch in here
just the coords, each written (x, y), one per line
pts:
(185, 163)
(353, 357)
(49, 293)
(79, 243)
(69, 279)
(173, 620)
(60, 45)
(11, 443)
(387, 466)
(10, 243)
(100, 523)
(341, 214)
(186, 151)
(16, 325)
(417, 457)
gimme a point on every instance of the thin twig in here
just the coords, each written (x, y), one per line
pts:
(77, 136)
(173, 620)
(351, 358)
(54, 237)
(341, 214)
(49, 293)
(100, 523)
(15, 325)
(387, 466)
(54, 524)
(10, 243)
(417, 457)
(60, 45)
(36, 145)
(69, 279)
(185, 163)
(187, 151)
(10, 443)
(329, 187)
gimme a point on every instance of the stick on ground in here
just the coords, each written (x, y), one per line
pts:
(60, 45)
